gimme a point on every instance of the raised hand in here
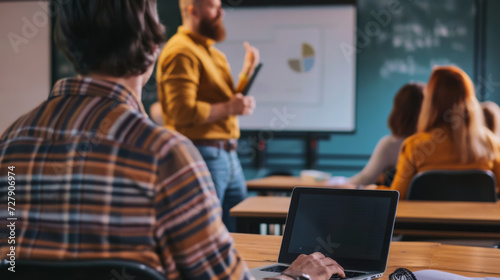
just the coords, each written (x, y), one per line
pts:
(252, 58)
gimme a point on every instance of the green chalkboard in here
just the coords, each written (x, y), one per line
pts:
(170, 16)
(490, 81)
(399, 42)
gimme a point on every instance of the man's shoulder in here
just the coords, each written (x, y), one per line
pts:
(144, 134)
(179, 44)
(218, 52)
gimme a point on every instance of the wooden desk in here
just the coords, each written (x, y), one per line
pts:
(450, 219)
(281, 183)
(259, 250)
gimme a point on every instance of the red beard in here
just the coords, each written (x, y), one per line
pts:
(213, 29)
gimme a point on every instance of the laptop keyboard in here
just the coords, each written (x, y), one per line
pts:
(275, 268)
(348, 274)
(281, 268)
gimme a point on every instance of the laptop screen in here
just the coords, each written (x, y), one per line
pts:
(353, 227)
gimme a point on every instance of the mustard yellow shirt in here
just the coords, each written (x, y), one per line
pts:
(192, 74)
(435, 150)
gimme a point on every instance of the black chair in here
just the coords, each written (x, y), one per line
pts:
(79, 270)
(453, 185)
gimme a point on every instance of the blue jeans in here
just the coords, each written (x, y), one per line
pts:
(227, 174)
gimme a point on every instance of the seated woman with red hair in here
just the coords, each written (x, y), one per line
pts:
(451, 133)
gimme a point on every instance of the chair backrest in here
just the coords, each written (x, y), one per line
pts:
(453, 185)
(79, 270)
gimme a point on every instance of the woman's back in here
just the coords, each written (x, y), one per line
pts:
(435, 150)
(452, 132)
(402, 122)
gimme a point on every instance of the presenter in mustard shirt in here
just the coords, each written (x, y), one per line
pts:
(198, 97)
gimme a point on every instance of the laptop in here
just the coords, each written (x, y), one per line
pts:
(353, 227)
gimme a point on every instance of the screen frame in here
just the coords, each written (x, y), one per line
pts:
(346, 263)
(312, 119)
(260, 3)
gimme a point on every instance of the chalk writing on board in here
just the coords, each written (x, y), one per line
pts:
(409, 66)
(413, 36)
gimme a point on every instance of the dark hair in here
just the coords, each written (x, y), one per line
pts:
(405, 110)
(111, 37)
(491, 113)
(489, 119)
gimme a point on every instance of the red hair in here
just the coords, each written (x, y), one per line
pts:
(450, 102)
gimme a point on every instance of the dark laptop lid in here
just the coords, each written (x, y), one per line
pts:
(354, 227)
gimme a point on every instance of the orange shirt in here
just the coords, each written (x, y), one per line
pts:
(432, 151)
(192, 74)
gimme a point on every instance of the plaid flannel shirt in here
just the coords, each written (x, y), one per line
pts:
(96, 179)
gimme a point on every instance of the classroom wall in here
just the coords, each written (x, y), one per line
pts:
(24, 58)
(428, 32)
(398, 42)
(490, 81)
(342, 154)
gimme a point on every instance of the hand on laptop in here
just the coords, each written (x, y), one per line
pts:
(316, 265)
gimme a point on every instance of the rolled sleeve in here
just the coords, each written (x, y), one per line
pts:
(242, 83)
(178, 87)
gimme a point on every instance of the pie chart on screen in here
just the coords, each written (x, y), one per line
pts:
(306, 62)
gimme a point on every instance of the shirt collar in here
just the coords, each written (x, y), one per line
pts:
(196, 37)
(93, 87)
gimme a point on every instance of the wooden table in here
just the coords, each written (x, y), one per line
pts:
(419, 218)
(281, 184)
(259, 250)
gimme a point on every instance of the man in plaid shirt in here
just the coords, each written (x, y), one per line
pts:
(96, 179)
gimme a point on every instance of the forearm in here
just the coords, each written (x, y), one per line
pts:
(219, 111)
(362, 178)
(383, 158)
(238, 105)
(182, 107)
(370, 172)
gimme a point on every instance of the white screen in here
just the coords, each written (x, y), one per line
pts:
(307, 82)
